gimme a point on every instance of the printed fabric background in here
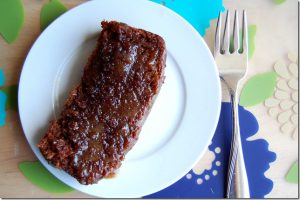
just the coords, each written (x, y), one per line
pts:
(268, 105)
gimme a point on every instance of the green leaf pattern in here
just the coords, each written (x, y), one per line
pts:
(11, 19)
(50, 12)
(292, 175)
(258, 89)
(37, 174)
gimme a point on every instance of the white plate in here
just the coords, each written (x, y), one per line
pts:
(184, 116)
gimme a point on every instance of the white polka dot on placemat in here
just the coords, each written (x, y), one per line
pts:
(199, 181)
(189, 176)
(218, 150)
(214, 172)
(206, 177)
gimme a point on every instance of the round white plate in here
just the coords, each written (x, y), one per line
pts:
(184, 116)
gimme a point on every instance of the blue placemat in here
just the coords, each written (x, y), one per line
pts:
(257, 158)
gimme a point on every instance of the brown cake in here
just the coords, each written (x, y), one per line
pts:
(103, 115)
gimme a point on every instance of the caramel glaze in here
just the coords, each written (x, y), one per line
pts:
(103, 115)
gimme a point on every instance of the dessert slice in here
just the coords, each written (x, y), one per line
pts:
(103, 115)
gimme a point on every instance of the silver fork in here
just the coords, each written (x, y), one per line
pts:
(232, 68)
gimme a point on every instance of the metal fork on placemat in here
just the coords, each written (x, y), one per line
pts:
(232, 62)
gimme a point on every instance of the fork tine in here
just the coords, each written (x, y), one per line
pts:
(236, 37)
(245, 33)
(218, 34)
(226, 35)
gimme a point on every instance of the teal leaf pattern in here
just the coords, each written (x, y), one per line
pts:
(198, 13)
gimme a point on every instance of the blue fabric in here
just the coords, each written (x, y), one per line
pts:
(2, 99)
(2, 79)
(2, 108)
(257, 159)
(197, 12)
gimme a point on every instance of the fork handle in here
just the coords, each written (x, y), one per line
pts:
(237, 180)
